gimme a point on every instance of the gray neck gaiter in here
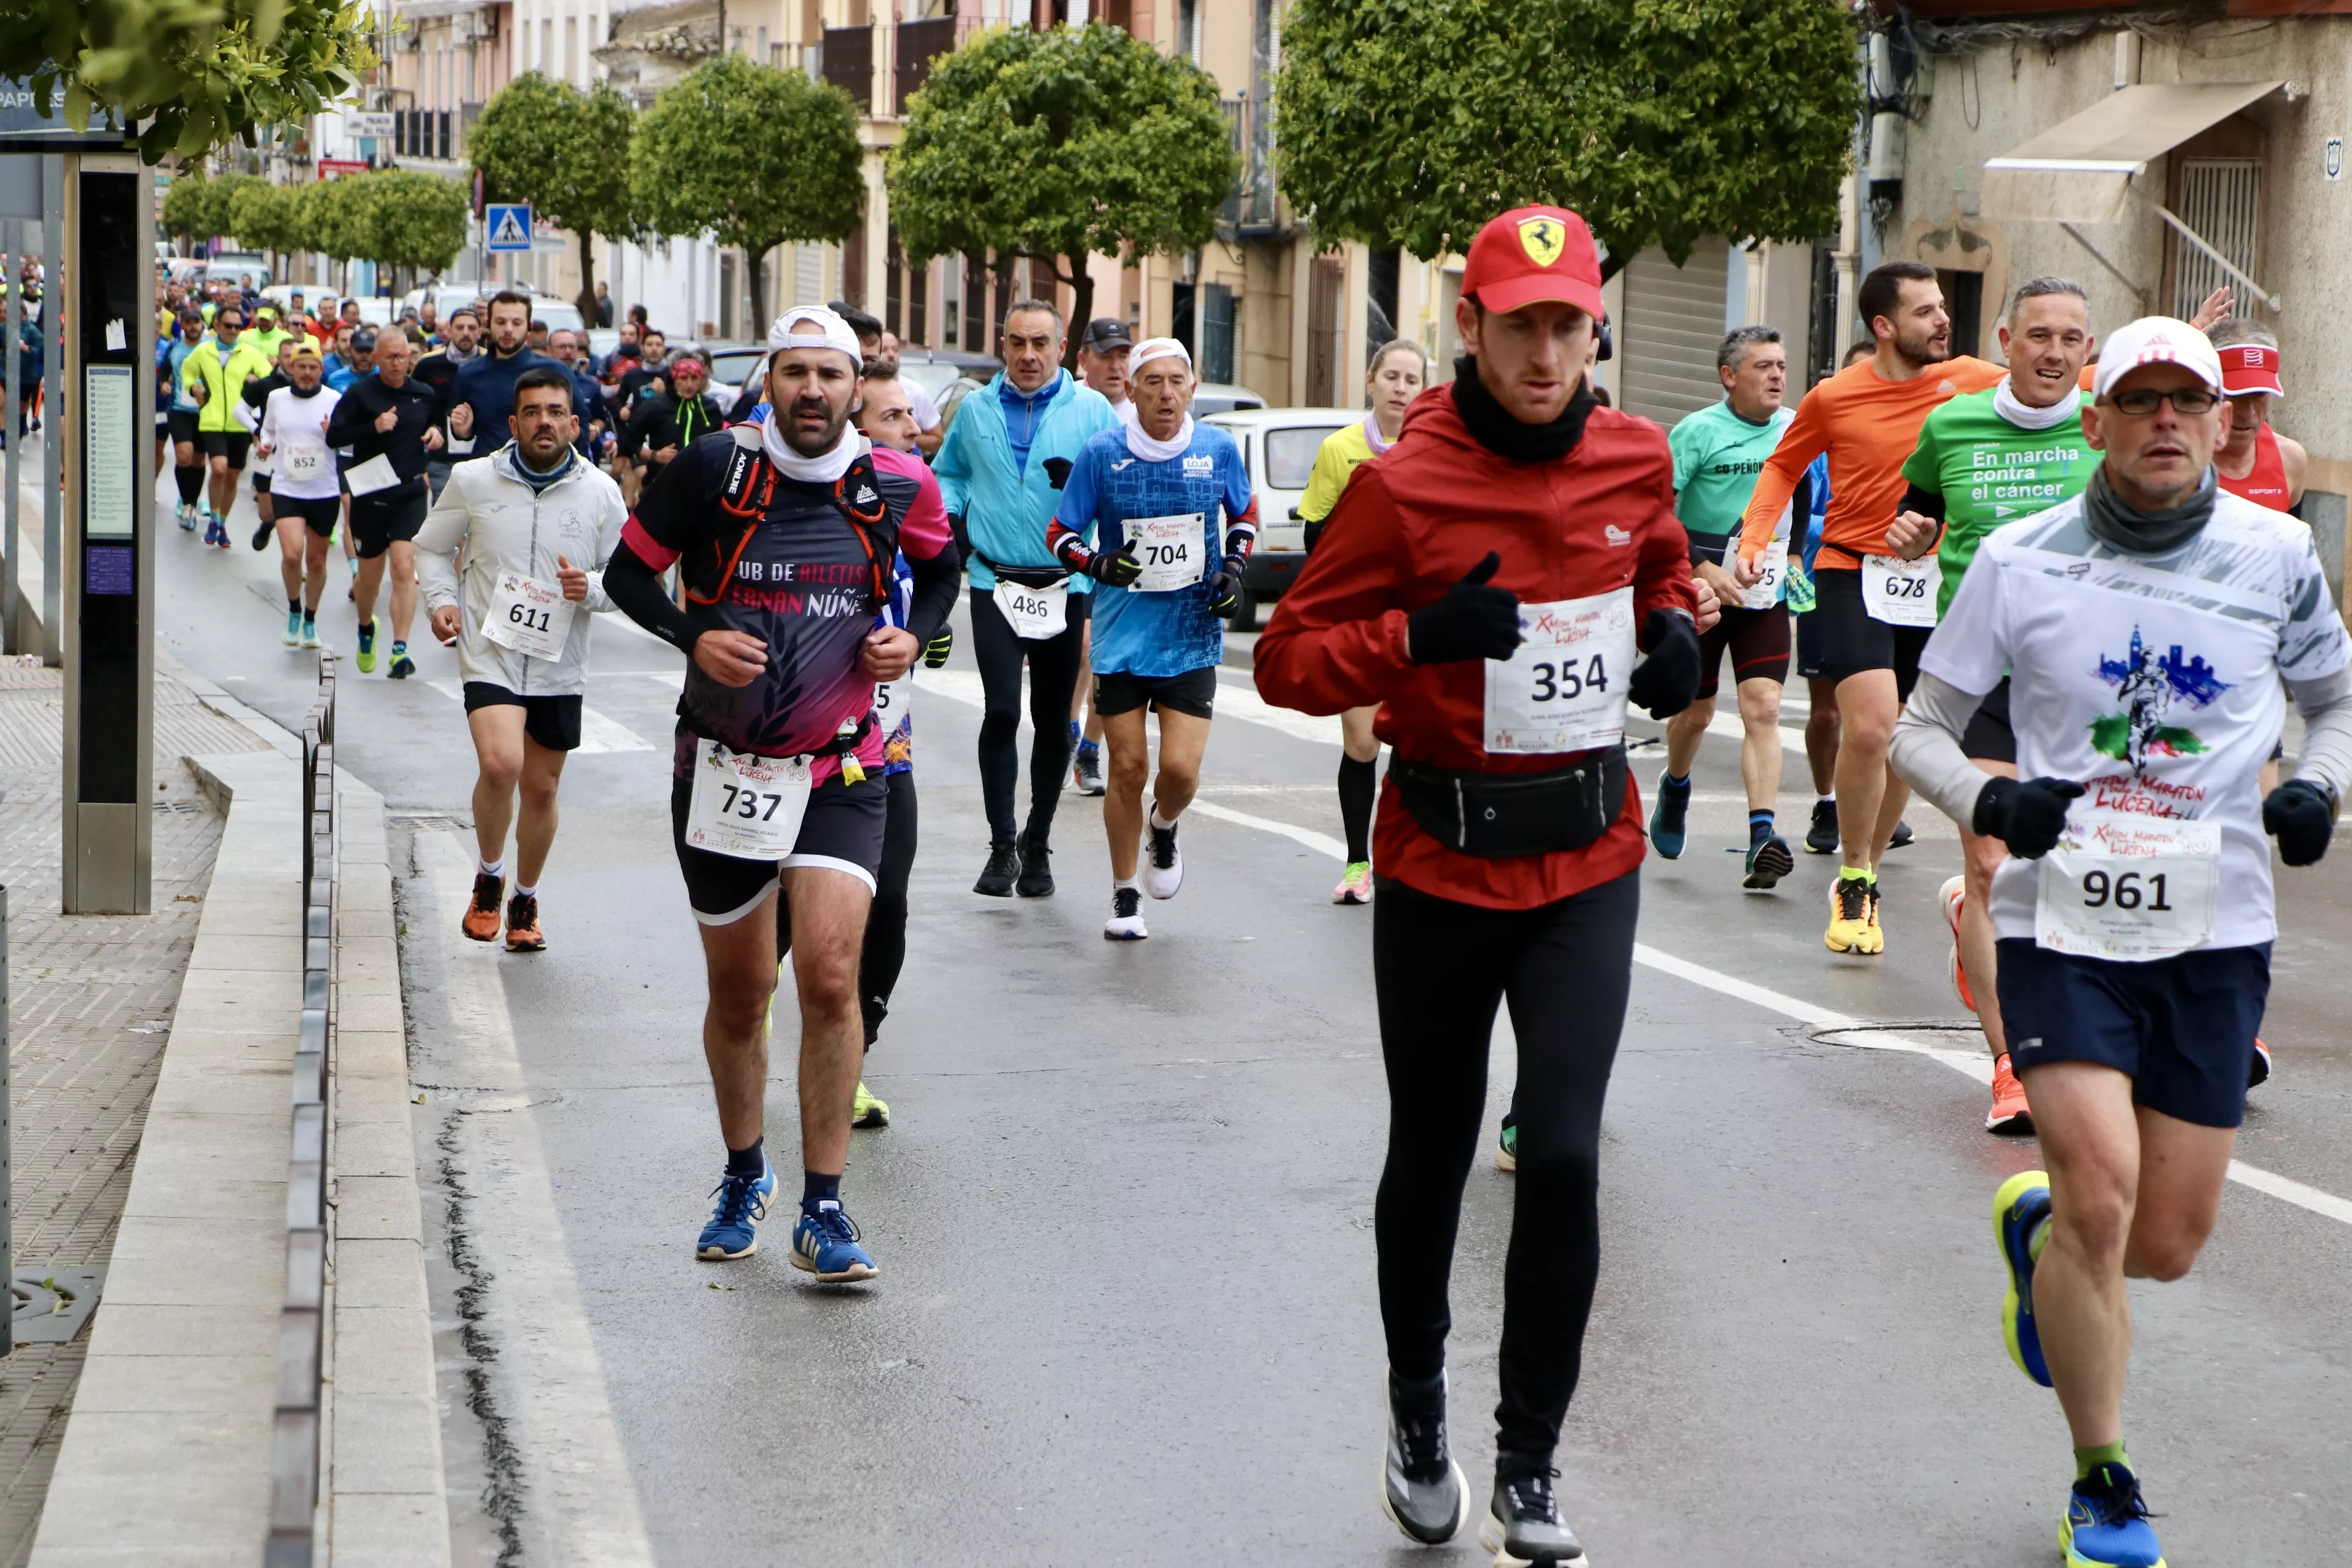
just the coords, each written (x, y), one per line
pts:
(2115, 522)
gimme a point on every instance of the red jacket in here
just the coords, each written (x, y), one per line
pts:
(1409, 523)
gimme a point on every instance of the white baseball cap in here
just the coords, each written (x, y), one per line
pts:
(838, 334)
(2154, 340)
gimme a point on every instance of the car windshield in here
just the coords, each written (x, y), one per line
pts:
(730, 366)
(1290, 454)
(934, 376)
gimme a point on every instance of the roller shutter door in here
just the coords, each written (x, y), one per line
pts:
(1674, 320)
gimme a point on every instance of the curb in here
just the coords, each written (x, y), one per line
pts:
(166, 1456)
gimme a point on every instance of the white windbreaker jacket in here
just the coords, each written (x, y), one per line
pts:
(504, 527)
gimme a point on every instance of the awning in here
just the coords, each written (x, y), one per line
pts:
(2081, 170)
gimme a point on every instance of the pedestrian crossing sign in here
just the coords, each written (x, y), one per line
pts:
(509, 226)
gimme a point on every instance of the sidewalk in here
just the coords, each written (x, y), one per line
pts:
(93, 999)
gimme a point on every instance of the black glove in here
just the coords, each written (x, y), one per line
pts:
(1057, 471)
(2027, 817)
(961, 534)
(1225, 588)
(1666, 682)
(2299, 815)
(1469, 620)
(935, 651)
(1119, 570)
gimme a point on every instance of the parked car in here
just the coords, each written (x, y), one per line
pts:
(232, 265)
(1278, 448)
(1222, 398)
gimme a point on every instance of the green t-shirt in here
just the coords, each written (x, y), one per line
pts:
(1717, 456)
(1989, 472)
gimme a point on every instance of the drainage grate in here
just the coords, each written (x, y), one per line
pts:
(53, 1304)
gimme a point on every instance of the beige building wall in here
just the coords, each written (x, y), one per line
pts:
(1981, 105)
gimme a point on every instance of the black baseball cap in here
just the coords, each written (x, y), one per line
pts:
(1106, 333)
(363, 341)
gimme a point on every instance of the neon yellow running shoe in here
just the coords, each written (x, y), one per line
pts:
(865, 1111)
(2018, 1210)
(367, 648)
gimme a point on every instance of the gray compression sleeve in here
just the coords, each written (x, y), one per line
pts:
(1926, 751)
(2326, 707)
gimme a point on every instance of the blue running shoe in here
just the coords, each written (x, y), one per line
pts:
(733, 1231)
(826, 1244)
(2021, 1206)
(1669, 817)
(2107, 1524)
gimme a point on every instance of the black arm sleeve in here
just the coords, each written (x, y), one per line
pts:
(637, 588)
(1927, 503)
(348, 422)
(936, 581)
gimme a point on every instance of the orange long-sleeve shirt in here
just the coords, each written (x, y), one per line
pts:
(1869, 426)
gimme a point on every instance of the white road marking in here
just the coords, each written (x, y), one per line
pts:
(550, 1383)
(1975, 1064)
(597, 734)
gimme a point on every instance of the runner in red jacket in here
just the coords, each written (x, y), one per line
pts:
(1488, 581)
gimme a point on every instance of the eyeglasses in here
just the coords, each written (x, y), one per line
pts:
(2141, 401)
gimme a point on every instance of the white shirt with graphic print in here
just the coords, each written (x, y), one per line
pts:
(2153, 681)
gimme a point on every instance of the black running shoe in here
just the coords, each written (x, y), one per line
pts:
(1036, 878)
(1769, 860)
(1822, 837)
(1523, 1525)
(996, 876)
(1902, 834)
(264, 534)
(1422, 1490)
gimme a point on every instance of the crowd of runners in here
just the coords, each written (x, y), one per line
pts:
(2064, 600)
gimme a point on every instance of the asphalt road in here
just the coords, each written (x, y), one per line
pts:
(1123, 1213)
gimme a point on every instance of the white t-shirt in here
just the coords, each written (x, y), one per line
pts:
(2154, 681)
(295, 430)
(926, 412)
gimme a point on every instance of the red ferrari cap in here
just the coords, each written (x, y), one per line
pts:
(2250, 368)
(1530, 254)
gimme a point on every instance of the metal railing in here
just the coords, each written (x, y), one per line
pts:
(295, 1457)
(1249, 204)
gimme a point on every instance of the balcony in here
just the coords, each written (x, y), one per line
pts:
(1250, 207)
(848, 64)
(916, 47)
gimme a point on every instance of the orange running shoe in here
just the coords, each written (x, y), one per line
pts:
(2258, 1070)
(2009, 1113)
(522, 924)
(481, 921)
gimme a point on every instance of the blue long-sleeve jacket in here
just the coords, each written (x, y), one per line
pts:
(1005, 504)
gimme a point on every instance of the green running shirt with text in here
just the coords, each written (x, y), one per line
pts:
(1990, 472)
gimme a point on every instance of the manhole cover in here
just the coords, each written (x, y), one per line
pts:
(52, 1304)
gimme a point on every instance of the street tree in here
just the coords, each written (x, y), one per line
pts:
(752, 155)
(190, 212)
(566, 153)
(332, 219)
(415, 222)
(1060, 146)
(1658, 121)
(266, 217)
(201, 73)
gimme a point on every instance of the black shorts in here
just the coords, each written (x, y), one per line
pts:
(1852, 643)
(843, 830)
(320, 515)
(1758, 644)
(231, 444)
(379, 519)
(1194, 692)
(2181, 1028)
(182, 423)
(552, 722)
(1808, 646)
(1988, 738)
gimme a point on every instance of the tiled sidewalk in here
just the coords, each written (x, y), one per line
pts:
(93, 1002)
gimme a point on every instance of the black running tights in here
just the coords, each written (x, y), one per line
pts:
(1441, 968)
(1358, 787)
(885, 952)
(1053, 677)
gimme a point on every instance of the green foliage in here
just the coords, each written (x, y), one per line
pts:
(264, 217)
(188, 207)
(1658, 121)
(413, 220)
(566, 153)
(206, 71)
(332, 219)
(752, 155)
(1062, 144)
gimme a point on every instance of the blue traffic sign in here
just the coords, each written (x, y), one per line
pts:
(507, 225)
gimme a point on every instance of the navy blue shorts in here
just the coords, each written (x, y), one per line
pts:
(2182, 1029)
